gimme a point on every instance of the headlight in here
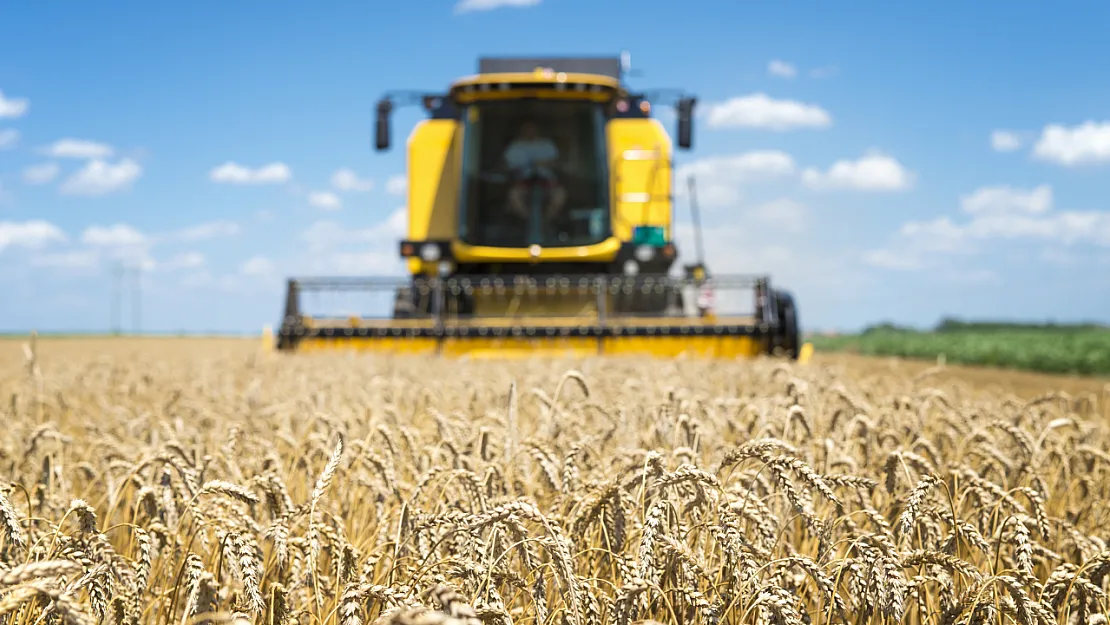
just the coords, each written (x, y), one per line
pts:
(445, 267)
(429, 252)
(631, 267)
(645, 253)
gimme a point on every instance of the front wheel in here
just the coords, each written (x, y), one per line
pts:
(788, 324)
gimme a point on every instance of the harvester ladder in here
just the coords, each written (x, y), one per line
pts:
(644, 198)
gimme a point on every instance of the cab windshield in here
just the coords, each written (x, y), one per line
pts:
(534, 172)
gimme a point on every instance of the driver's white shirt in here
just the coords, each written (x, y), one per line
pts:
(523, 152)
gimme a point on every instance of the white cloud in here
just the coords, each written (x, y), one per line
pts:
(34, 234)
(124, 243)
(397, 185)
(78, 148)
(118, 235)
(99, 177)
(234, 173)
(1056, 256)
(209, 230)
(323, 235)
(782, 213)
(874, 171)
(348, 180)
(362, 263)
(325, 200)
(1007, 199)
(40, 174)
(342, 250)
(742, 247)
(1065, 227)
(719, 178)
(121, 243)
(397, 224)
(70, 260)
(761, 111)
(188, 260)
(781, 69)
(972, 276)
(1005, 141)
(899, 260)
(1080, 145)
(997, 213)
(13, 107)
(917, 243)
(9, 138)
(257, 266)
(468, 6)
(204, 279)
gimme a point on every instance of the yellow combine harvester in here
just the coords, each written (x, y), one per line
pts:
(540, 221)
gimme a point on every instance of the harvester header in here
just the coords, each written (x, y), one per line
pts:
(540, 219)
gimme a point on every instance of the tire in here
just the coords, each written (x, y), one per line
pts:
(789, 338)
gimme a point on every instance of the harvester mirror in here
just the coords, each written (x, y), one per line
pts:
(686, 122)
(381, 126)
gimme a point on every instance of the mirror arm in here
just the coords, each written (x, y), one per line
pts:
(395, 99)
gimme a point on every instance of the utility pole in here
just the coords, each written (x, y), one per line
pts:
(136, 296)
(117, 296)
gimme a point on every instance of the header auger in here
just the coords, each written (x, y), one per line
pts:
(540, 221)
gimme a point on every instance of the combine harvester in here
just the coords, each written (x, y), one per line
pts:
(574, 255)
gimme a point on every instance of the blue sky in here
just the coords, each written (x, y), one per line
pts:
(882, 161)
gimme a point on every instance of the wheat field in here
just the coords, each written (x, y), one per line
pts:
(201, 481)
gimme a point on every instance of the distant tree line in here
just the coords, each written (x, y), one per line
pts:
(952, 324)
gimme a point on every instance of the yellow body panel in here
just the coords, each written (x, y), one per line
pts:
(434, 161)
(640, 180)
(639, 175)
(603, 252)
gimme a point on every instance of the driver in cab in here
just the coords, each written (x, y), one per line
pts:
(531, 157)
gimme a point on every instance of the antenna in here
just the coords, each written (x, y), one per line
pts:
(696, 217)
(626, 65)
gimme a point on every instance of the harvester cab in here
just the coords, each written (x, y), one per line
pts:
(540, 220)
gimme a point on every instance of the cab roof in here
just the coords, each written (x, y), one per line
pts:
(596, 74)
(609, 67)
